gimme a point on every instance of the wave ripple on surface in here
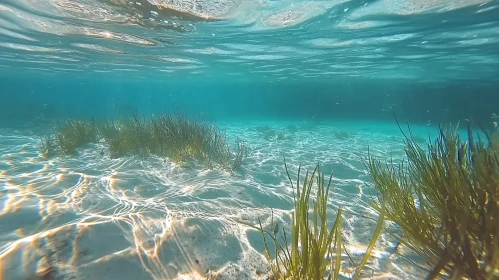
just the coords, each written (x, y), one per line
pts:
(430, 41)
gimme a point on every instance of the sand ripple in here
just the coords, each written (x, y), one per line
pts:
(91, 217)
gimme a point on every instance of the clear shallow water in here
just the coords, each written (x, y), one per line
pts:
(343, 66)
(91, 217)
(419, 41)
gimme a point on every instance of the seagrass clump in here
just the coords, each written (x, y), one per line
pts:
(168, 135)
(73, 134)
(182, 139)
(445, 202)
(47, 146)
(313, 251)
(131, 137)
(240, 155)
(107, 130)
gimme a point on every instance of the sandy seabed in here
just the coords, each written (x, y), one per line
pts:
(92, 217)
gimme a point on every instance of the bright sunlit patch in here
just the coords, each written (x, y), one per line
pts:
(59, 177)
(150, 219)
(107, 34)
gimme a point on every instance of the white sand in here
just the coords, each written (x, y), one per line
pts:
(91, 217)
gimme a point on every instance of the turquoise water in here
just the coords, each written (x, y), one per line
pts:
(308, 81)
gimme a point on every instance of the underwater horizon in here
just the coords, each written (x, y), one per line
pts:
(139, 138)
